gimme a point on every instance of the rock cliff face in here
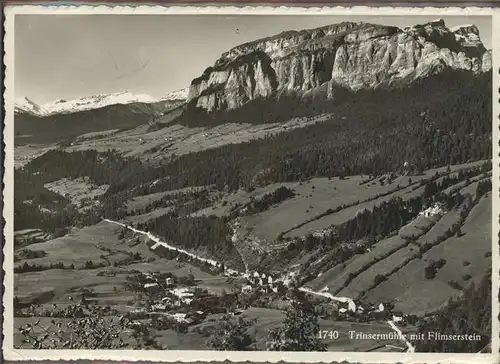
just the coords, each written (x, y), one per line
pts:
(353, 55)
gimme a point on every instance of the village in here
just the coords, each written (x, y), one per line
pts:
(178, 300)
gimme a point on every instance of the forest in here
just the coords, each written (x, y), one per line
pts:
(370, 132)
(210, 234)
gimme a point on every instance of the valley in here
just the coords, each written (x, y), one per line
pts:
(282, 183)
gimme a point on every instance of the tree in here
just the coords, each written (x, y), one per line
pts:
(231, 336)
(299, 331)
(190, 279)
(90, 327)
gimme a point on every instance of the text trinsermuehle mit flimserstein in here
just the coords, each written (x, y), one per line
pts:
(432, 335)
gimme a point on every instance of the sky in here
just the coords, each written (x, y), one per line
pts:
(72, 56)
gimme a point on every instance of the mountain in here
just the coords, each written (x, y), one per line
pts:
(96, 102)
(25, 105)
(178, 95)
(62, 106)
(352, 55)
(63, 120)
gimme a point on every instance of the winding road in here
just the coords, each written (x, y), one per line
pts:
(159, 242)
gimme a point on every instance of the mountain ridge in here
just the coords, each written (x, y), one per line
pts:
(86, 103)
(351, 55)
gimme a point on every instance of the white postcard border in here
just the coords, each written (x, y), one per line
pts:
(10, 353)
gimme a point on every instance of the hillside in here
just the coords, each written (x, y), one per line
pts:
(63, 121)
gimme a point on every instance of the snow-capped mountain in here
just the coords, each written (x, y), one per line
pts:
(93, 102)
(26, 105)
(63, 120)
(178, 95)
(96, 102)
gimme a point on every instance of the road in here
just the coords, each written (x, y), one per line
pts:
(159, 242)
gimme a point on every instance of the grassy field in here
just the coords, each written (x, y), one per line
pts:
(467, 259)
(101, 244)
(98, 243)
(440, 227)
(335, 278)
(365, 280)
(154, 145)
(312, 199)
(303, 213)
(468, 254)
(25, 153)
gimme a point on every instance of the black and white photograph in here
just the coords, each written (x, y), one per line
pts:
(251, 183)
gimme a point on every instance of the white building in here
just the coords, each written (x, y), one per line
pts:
(432, 211)
(159, 307)
(184, 295)
(179, 317)
(397, 318)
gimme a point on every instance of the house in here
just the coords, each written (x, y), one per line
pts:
(159, 307)
(184, 295)
(397, 318)
(151, 287)
(351, 306)
(180, 317)
(169, 281)
(182, 292)
(437, 209)
(380, 307)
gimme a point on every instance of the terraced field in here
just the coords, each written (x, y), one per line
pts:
(468, 258)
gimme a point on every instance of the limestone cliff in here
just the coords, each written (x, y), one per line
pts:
(353, 55)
